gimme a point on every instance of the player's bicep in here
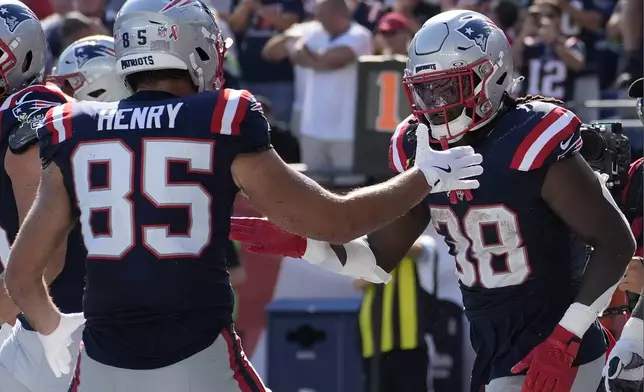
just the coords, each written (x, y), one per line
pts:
(572, 190)
(46, 225)
(24, 171)
(391, 243)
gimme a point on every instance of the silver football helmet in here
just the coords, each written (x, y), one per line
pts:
(88, 68)
(170, 34)
(22, 47)
(458, 70)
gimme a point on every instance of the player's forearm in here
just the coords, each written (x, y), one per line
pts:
(368, 209)
(37, 306)
(603, 272)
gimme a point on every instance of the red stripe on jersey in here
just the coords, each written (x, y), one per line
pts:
(397, 156)
(560, 136)
(218, 113)
(67, 120)
(240, 112)
(49, 124)
(534, 134)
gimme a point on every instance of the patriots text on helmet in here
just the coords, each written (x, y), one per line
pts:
(139, 118)
(144, 60)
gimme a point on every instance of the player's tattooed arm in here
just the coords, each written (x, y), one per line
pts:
(45, 227)
(574, 193)
(24, 171)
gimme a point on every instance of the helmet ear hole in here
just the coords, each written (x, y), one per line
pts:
(203, 56)
(27, 61)
(500, 80)
(96, 93)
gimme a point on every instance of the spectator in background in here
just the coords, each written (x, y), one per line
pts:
(505, 14)
(331, 52)
(416, 11)
(631, 32)
(481, 6)
(278, 48)
(254, 22)
(548, 59)
(585, 20)
(285, 144)
(62, 30)
(42, 8)
(393, 35)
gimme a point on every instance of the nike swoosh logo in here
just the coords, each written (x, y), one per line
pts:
(566, 144)
(448, 170)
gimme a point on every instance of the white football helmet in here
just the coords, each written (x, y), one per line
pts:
(88, 68)
(459, 69)
(170, 34)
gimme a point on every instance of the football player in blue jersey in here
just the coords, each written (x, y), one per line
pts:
(152, 180)
(519, 240)
(24, 102)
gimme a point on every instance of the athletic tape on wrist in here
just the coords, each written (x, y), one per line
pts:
(578, 318)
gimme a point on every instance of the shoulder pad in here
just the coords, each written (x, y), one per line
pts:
(23, 112)
(543, 132)
(400, 147)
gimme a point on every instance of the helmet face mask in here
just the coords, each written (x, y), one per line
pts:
(7, 63)
(446, 97)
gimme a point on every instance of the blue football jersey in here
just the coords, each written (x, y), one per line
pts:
(509, 246)
(150, 180)
(20, 115)
(545, 73)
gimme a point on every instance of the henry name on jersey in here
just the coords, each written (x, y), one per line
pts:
(138, 118)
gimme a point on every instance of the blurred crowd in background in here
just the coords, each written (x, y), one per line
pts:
(299, 56)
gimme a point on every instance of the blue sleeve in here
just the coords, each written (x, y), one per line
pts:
(550, 134)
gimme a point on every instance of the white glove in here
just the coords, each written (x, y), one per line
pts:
(56, 344)
(446, 170)
(625, 363)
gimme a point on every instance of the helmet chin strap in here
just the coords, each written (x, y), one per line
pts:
(440, 132)
(459, 124)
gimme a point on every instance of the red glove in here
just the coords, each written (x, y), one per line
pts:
(262, 236)
(550, 363)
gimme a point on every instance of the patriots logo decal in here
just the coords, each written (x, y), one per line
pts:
(13, 15)
(85, 53)
(31, 111)
(478, 31)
